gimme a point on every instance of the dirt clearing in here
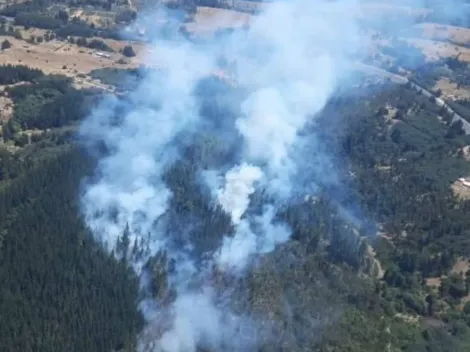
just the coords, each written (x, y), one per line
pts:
(435, 50)
(435, 31)
(101, 19)
(460, 267)
(450, 90)
(6, 108)
(208, 20)
(58, 57)
(460, 190)
(433, 282)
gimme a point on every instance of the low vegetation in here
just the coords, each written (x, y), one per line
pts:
(50, 102)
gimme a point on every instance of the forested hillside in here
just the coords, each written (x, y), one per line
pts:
(354, 276)
(404, 159)
(326, 290)
(60, 290)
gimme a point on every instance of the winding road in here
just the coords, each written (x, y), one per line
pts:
(404, 80)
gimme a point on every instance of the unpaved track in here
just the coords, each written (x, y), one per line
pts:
(404, 80)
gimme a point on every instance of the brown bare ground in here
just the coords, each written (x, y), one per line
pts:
(435, 50)
(99, 19)
(139, 48)
(444, 32)
(460, 267)
(208, 20)
(6, 108)
(391, 111)
(450, 91)
(380, 271)
(433, 282)
(460, 191)
(53, 56)
(27, 33)
(463, 301)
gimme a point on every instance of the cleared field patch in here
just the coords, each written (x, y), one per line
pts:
(27, 33)
(435, 50)
(460, 190)
(117, 45)
(208, 20)
(60, 57)
(6, 108)
(451, 90)
(57, 57)
(460, 267)
(458, 35)
(434, 282)
(101, 19)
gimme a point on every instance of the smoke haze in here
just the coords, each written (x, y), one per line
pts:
(288, 63)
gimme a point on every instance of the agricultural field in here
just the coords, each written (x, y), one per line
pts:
(207, 20)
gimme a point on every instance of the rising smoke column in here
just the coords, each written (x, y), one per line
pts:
(290, 61)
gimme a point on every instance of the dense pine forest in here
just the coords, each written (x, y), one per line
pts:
(60, 290)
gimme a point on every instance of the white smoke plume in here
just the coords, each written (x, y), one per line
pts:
(290, 61)
(235, 196)
(236, 250)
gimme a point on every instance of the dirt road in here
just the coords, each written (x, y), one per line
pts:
(404, 80)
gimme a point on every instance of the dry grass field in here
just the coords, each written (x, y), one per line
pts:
(450, 89)
(208, 19)
(60, 57)
(458, 35)
(438, 49)
(97, 18)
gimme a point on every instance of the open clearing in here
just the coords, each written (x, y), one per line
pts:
(460, 267)
(460, 190)
(434, 282)
(59, 57)
(435, 50)
(6, 108)
(435, 31)
(208, 20)
(97, 18)
(53, 56)
(450, 90)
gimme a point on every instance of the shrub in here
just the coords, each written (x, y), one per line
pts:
(6, 44)
(128, 51)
